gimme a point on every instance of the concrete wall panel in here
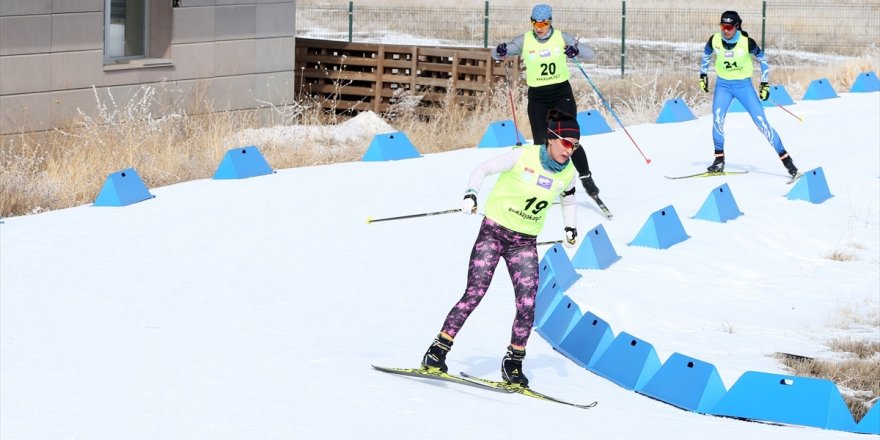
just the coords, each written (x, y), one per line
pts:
(64, 6)
(193, 61)
(193, 25)
(275, 20)
(25, 74)
(234, 57)
(235, 22)
(74, 70)
(25, 7)
(25, 35)
(83, 31)
(274, 54)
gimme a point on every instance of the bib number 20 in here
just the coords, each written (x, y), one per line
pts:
(548, 69)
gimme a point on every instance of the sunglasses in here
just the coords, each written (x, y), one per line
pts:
(728, 27)
(540, 24)
(567, 144)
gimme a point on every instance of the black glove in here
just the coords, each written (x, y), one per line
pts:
(572, 51)
(570, 236)
(764, 94)
(704, 82)
(501, 50)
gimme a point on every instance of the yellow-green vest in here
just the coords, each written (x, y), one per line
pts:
(734, 63)
(546, 62)
(521, 197)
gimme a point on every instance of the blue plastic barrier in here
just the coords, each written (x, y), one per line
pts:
(720, 206)
(501, 134)
(123, 188)
(587, 340)
(629, 362)
(819, 89)
(686, 383)
(241, 163)
(675, 110)
(556, 264)
(662, 230)
(870, 423)
(866, 82)
(592, 122)
(786, 399)
(811, 187)
(390, 146)
(559, 320)
(546, 300)
(595, 251)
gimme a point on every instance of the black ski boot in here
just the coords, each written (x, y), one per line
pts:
(435, 357)
(718, 165)
(589, 185)
(511, 367)
(789, 164)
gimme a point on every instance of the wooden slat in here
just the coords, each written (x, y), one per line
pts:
(365, 76)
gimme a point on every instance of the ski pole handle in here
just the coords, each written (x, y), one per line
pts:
(402, 217)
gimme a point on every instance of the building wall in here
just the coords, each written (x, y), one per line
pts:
(208, 55)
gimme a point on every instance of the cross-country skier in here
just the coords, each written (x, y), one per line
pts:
(733, 50)
(544, 51)
(531, 178)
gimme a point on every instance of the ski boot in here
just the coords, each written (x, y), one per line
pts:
(435, 357)
(789, 164)
(589, 185)
(718, 165)
(511, 367)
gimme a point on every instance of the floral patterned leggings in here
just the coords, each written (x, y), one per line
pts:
(521, 255)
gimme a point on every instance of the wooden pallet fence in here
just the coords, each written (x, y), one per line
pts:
(353, 77)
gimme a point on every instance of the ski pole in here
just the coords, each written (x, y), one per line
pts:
(611, 110)
(424, 214)
(544, 243)
(512, 108)
(786, 110)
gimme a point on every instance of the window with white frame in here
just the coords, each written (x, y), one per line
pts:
(125, 29)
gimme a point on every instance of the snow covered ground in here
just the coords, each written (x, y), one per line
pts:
(254, 308)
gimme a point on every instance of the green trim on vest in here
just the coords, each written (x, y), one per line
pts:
(735, 63)
(546, 62)
(521, 197)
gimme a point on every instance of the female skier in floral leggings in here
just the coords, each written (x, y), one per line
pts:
(531, 178)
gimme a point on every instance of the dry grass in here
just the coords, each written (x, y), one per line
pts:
(841, 256)
(66, 167)
(857, 376)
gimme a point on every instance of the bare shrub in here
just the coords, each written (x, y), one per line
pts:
(841, 256)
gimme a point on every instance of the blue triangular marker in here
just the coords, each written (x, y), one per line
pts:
(675, 110)
(719, 206)
(390, 146)
(866, 82)
(592, 122)
(123, 188)
(811, 187)
(241, 163)
(501, 134)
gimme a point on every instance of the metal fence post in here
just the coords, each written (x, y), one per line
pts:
(486, 26)
(623, 39)
(763, 23)
(350, 18)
